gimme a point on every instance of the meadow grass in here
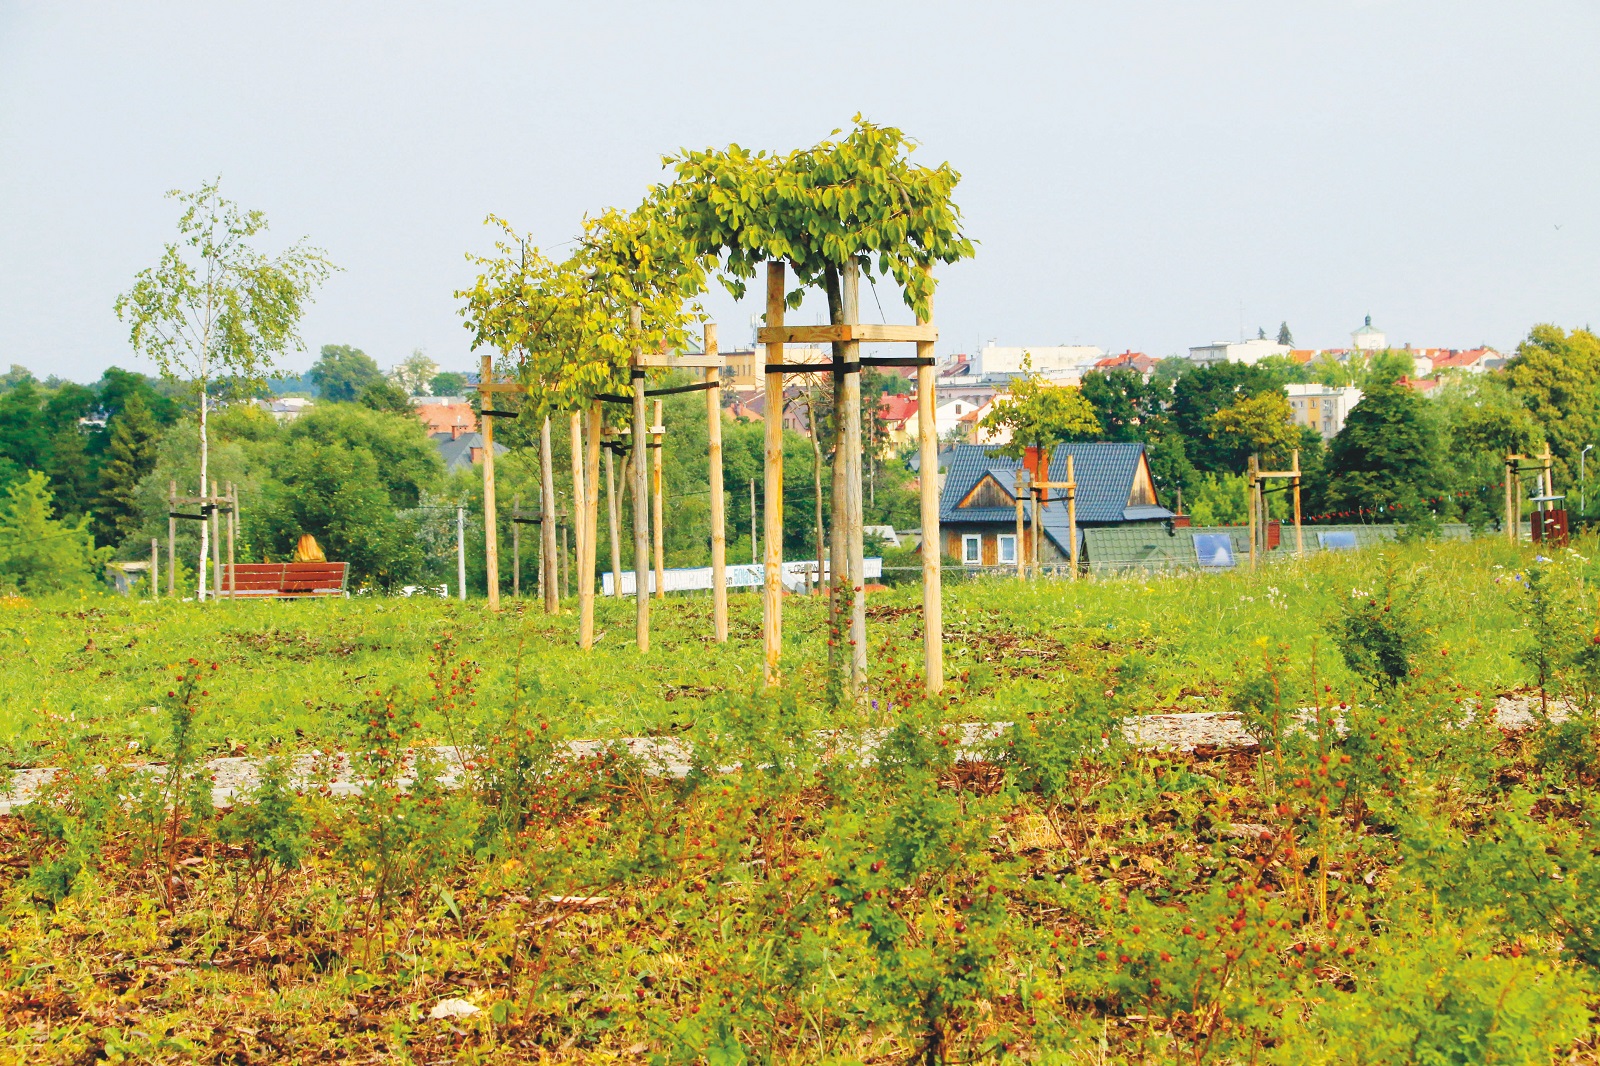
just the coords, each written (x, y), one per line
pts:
(291, 668)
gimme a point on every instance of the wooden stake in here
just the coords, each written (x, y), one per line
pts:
(172, 539)
(932, 540)
(850, 455)
(1252, 504)
(579, 506)
(233, 511)
(516, 547)
(755, 541)
(1022, 547)
(548, 563)
(772, 418)
(155, 568)
(491, 527)
(1508, 519)
(614, 525)
(566, 564)
(641, 490)
(719, 532)
(591, 520)
(216, 544)
(1072, 516)
(1299, 534)
(657, 533)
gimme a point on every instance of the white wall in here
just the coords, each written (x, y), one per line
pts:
(1068, 357)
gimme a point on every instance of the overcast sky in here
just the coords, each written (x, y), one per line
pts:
(1138, 175)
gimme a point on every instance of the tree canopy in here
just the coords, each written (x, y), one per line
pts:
(342, 373)
(1556, 375)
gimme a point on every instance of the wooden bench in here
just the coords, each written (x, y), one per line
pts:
(283, 580)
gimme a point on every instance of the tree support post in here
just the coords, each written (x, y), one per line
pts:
(233, 526)
(1072, 516)
(172, 539)
(461, 554)
(614, 525)
(772, 418)
(657, 533)
(579, 506)
(516, 547)
(591, 524)
(491, 529)
(1254, 508)
(850, 456)
(932, 539)
(641, 489)
(155, 568)
(1022, 489)
(549, 564)
(719, 532)
(1299, 533)
(216, 541)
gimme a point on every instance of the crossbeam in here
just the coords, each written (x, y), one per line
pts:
(688, 361)
(850, 331)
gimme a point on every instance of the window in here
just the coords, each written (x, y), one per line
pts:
(1008, 549)
(972, 549)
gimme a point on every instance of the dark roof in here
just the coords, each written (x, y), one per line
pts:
(1104, 471)
(457, 454)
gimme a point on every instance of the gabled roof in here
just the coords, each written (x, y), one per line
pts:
(894, 408)
(457, 454)
(1105, 472)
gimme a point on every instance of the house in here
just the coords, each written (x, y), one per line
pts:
(1064, 361)
(977, 506)
(1322, 407)
(451, 415)
(1143, 364)
(462, 451)
(948, 415)
(1249, 352)
(897, 419)
(1470, 361)
(286, 408)
(1369, 338)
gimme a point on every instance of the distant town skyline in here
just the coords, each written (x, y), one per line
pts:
(1148, 177)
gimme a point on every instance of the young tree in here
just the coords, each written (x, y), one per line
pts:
(1262, 424)
(1040, 415)
(129, 457)
(216, 307)
(1387, 454)
(1556, 374)
(1200, 394)
(1284, 336)
(414, 373)
(37, 553)
(342, 373)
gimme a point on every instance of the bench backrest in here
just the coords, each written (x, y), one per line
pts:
(284, 579)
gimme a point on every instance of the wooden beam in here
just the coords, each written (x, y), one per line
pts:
(501, 386)
(549, 572)
(641, 491)
(848, 407)
(689, 361)
(657, 527)
(848, 332)
(591, 526)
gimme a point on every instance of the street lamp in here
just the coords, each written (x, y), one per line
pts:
(1583, 483)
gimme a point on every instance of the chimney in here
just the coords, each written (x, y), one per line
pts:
(455, 431)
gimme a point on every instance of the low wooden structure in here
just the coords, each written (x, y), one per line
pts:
(280, 581)
(1258, 504)
(219, 502)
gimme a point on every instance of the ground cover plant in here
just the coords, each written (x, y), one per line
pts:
(1388, 876)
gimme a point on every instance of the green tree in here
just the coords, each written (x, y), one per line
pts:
(1132, 409)
(39, 554)
(448, 383)
(1262, 424)
(1040, 415)
(214, 307)
(337, 493)
(413, 373)
(129, 457)
(1556, 375)
(1284, 336)
(384, 395)
(341, 373)
(408, 462)
(24, 430)
(1387, 455)
(1200, 394)
(72, 478)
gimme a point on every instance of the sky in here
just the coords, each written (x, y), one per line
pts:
(1136, 175)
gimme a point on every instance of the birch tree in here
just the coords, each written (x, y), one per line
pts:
(216, 307)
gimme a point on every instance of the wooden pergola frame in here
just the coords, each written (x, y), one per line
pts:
(847, 547)
(1541, 465)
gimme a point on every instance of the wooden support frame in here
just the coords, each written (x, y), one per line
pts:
(658, 536)
(491, 527)
(221, 500)
(1258, 501)
(719, 531)
(846, 548)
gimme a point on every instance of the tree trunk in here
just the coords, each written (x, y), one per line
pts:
(205, 459)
